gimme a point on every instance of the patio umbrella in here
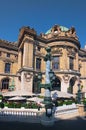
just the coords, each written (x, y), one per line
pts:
(35, 99)
(18, 93)
(57, 93)
(17, 98)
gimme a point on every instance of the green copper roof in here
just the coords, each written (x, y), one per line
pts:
(49, 31)
(63, 29)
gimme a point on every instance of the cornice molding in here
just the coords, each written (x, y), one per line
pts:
(28, 41)
(72, 72)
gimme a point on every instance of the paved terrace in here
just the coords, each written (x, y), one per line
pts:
(77, 123)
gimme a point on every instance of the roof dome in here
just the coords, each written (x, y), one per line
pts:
(48, 31)
(63, 29)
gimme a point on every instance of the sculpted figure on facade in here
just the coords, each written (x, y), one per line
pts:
(28, 76)
(71, 52)
(57, 50)
(72, 33)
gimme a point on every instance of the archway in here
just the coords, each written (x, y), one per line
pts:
(71, 84)
(57, 84)
(5, 84)
(36, 88)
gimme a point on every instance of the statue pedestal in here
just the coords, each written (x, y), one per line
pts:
(47, 121)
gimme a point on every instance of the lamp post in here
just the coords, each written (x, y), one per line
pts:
(79, 92)
(49, 79)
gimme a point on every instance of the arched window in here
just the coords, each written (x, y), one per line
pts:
(71, 84)
(36, 88)
(5, 83)
(71, 63)
(38, 63)
(7, 67)
(55, 63)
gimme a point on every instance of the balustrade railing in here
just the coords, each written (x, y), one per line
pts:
(33, 115)
(30, 115)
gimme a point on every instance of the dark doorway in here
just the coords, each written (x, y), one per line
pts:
(57, 84)
(71, 84)
(5, 83)
(36, 88)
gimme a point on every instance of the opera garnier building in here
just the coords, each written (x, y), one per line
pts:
(21, 61)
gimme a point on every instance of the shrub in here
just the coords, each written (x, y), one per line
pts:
(1, 105)
(1, 97)
(60, 103)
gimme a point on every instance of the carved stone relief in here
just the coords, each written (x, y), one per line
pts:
(56, 51)
(28, 76)
(71, 52)
(66, 78)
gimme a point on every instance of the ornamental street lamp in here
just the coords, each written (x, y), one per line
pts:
(49, 79)
(79, 94)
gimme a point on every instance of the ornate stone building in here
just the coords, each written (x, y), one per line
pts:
(22, 60)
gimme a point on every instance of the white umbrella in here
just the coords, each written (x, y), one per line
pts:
(18, 93)
(57, 93)
(35, 99)
(17, 98)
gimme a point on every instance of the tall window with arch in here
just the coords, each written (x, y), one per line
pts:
(7, 67)
(71, 63)
(38, 63)
(55, 63)
(5, 83)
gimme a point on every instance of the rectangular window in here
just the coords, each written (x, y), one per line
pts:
(55, 63)
(7, 67)
(38, 48)
(38, 63)
(0, 53)
(71, 63)
(8, 54)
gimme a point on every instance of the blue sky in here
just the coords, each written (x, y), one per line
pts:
(41, 15)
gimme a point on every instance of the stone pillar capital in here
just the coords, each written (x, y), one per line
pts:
(26, 40)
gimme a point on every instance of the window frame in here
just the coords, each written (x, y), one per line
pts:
(7, 67)
(38, 65)
(71, 63)
(8, 55)
(55, 63)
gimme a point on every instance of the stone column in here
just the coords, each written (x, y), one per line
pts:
(26, 81)
(76, 62)
(65, 59)
(22, 81)
(25, 54)
(42, 65)
(19, 59)
(64, 86)
(27, 64)
(30, 54)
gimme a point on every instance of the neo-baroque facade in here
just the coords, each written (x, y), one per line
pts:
(21, 61)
